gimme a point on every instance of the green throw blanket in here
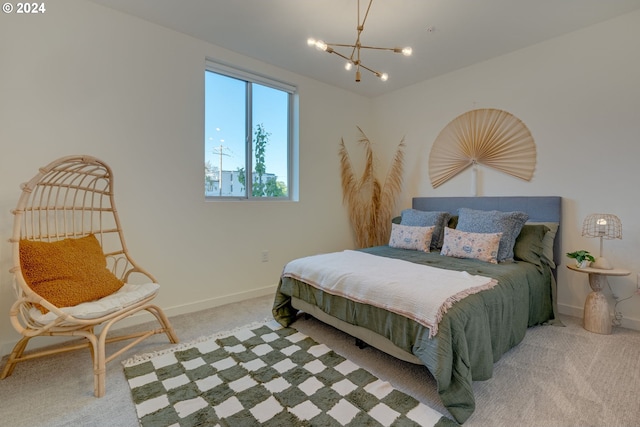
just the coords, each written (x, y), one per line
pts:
(473, 334)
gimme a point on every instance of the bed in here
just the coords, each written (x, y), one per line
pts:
(472, 332)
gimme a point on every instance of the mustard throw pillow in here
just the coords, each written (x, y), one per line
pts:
(67, 272)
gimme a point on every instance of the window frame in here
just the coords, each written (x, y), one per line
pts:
(250, 78)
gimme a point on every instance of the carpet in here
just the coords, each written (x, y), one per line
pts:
(265, 375)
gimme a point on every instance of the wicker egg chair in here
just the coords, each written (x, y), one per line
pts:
(68, 245)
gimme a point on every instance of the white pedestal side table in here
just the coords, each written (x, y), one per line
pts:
(596, 308)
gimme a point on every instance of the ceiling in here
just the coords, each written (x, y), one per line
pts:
(445, 34)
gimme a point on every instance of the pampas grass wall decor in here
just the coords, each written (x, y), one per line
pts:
(370, 204)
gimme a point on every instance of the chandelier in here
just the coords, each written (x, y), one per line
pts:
(354, 58)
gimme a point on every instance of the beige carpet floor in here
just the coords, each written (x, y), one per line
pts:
(558, 376)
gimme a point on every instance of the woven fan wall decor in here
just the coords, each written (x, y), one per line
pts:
(490, 137)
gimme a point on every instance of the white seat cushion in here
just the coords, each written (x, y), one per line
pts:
(127, 295)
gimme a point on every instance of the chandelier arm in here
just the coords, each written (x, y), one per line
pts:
(377, 73)
(393, 49)
(341, 55)
(341, 45)
(360, 29)
(356, 45)
(365, 15)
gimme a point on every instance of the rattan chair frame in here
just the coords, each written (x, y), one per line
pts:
(73, 197)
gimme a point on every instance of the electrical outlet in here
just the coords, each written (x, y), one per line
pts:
(265, 256)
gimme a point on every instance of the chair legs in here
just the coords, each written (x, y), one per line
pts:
(97, 345)
(100, 358)
(14, 357)
(164, 321)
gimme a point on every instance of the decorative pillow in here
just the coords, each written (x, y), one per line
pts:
(548, 242)
(507, 223)
(416, 218)
(528, 245)
(67, 272)
(408, 237)
(461, 244)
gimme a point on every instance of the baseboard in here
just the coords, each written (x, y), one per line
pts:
(7, 346)
(626, 322)
(203, 305)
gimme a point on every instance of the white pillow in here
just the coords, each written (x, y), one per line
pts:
(462, 244)
(410, 237)
(127, 295)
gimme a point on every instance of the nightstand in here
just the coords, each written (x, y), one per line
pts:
(596, 308)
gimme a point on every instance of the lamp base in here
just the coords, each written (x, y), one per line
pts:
(602, 264)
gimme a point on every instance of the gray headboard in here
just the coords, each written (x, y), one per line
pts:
(539, 208)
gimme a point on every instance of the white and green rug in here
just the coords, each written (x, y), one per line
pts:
(265, 375)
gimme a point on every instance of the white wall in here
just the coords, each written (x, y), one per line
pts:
(579, 95)
(84, 79)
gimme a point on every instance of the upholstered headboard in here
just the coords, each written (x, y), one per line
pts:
(539, 208)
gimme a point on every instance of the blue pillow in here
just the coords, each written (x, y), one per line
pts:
(416, 218)
(508, 223)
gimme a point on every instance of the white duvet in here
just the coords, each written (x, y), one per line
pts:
(416, 291)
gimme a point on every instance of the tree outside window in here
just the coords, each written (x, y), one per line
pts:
(236, 106)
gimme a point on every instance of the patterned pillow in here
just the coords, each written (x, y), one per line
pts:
(416, 218)
(461, 244)
(507, 223)
(408, 237)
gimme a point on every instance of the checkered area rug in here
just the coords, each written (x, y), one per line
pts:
(265, 375)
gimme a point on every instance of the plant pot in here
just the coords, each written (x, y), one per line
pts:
(583, 264)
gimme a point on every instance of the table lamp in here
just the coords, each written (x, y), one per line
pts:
(604, 226)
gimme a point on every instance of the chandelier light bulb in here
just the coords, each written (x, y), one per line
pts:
(348, 66)
(321, 45)
(384, 77)
(311, 41)
(407, 51)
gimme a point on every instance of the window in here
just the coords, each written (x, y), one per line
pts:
(248, 127)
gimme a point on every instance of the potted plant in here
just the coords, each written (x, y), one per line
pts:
(583, 258)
